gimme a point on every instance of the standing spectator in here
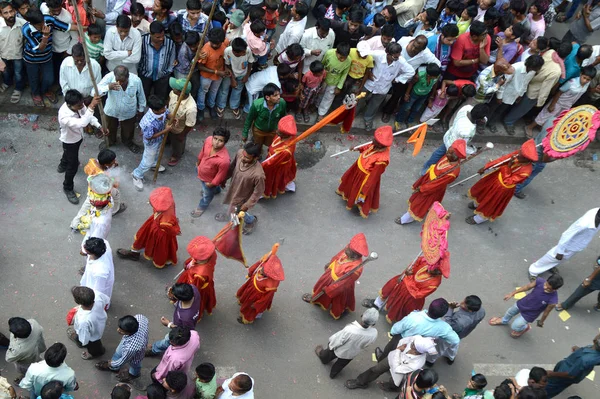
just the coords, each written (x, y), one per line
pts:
(178, 385)
(213, 166)
(586, 22)
(441, 44)
(337, 64)
(131, 349)
(212, 72)
(312, 82)
(466, 18)
(380, 42)
(537, 24)
(52, 368)
(469, 51)
(589, 285)
(37, 53)
(185, 56)
(123, 45)
(264, 116)
(234, 26)
(259, 80)
(206, 381)
(347, 343)
(161, 12)
(352, 30)
(73, 117)
(183, 345)
(26, 344)
(185, 119)
(112, 11)
(360, 68)
(239, 386)
(316, 41)
(138, 18)
(156, 62)
(271, 17)
(99, 272)
(89, 321)
(94, 43)
(407, 10)
(418, 91)
(11, 51)
(124, 100)
(74, 73)
(238, 60)
(295, 28)
(192, 19)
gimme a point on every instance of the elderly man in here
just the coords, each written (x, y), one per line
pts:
(122, 45)
(125, 99)
(184, 120)
(346, 344)
(157, 61)
(74, 73)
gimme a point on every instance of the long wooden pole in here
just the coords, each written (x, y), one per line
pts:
(89, 66)
(182, 94)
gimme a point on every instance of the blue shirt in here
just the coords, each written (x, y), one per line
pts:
(156, 64)
(33, 38)
(572, 68)
(441, 50)
(200, 24)
(63, 396)
(418, 323)
(151, 125)
(123, 104)
(579, 363)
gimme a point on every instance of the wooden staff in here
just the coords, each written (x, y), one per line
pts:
(187, 81)
(89, 65)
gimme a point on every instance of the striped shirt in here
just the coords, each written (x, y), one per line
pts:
(156, 64)
(133, 347)
(33, 38)
(95, 50)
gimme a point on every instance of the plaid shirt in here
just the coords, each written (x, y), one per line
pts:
(185, 23)
(133, 347)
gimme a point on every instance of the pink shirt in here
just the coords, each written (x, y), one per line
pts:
(178, 357)
(537, 28)
(212, 169)
(256, 44)
(311, 81)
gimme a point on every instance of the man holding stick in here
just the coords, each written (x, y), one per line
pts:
(280, 167)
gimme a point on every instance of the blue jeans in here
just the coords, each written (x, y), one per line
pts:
(161, 345)
(14, 67)
(208, 193)
(519, 324)
(149, 158)
(212, 88)
(537, 168)
(236, 92)
(573, 8)
(413, 106)
(134, 368)
(435, 157)
(262, 59)
(251, 98)
(41, 77)
(519, 110)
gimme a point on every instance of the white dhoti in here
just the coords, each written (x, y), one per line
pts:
(548, 261)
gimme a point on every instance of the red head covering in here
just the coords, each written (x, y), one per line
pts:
(201, 248)
(460, 148)
(358, 244)
(161, 199)
(273, 268)
(384, 135)
(529, 150)
(287, 126)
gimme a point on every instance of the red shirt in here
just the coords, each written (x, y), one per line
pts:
(464, 49)
(271, 18)
(212, 169)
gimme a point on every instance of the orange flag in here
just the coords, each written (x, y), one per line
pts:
(418, 137)
(229, 241)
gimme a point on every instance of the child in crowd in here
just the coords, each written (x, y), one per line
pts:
(475, 387)
(425, 23)
(565, 97)
(292, 56)
(360, 68)
(450, 13)
(271, 17)
(89, 321)
(311, 86)
(258, 44)
(289, 92)
(507, 43)
(536, 47)
(94, 43)
(234, 25)
(373, 7)
(212, 72)
(337, 64)
(238, 60)
(153, 126)
(206, 381)
(537, 24)
(465, 89)
(376, 23)
(417, 92)
(138, 18)
(466, 18)
(177, 34)
(185, 57)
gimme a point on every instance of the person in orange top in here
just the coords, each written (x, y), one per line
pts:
(212, 71)
(256, 294)
(432, 185)
(338, 297)
(280, 171)
(494, 191)
(360, 184)
(158, 235)
(199, 270)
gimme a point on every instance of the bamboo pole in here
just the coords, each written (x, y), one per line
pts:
(89, 66)
(187, 81)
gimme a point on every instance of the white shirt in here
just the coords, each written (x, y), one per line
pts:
(383, 73)
(587, 61)
(579, 234)
(100, 225)
(408, 9)
(312, 41)
(292, 34)
(462, 127)
(99, 273)
(517, 86)
(89, 324)
(350, 341)
(227, 394)
(110, 16)
(71, 123)
(375, 43)
(61, 41)
(11, 40)
(71, 78)
(39, 374)
(143, 27)
(422, 58)
(402, 363)
(258, 80)
(116, 50)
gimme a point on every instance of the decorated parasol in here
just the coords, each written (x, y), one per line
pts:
(573, 130)
(434, 233)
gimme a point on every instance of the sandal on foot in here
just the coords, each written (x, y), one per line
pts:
(3, 87)
(173, 162)
(51, 97)
(122, 209)
(86, 356)
(318, 350)
(127, 377)
(220, 112)
(561, 18)
(298, 118)
(38, 101)
(471, 220)
(306, 298)
(236, 113)
(134, 148)
(368, 303)
(72, 335)
(559, 308)
(306, 118)
(196, 213)
(495, 321)
(104, 365)
(378, 353)
(15, 97)
(517, 334)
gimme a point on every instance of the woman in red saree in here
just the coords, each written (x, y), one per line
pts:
(280, 171)
(158, 235)
(199, 270)
(360, 184)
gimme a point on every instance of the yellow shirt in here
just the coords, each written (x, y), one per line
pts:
(186, 113)
(359, 65)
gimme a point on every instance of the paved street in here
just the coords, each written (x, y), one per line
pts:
(39, 258)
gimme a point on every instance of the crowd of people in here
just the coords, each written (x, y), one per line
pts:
(470, 63)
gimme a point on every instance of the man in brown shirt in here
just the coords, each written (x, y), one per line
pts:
(247, 184)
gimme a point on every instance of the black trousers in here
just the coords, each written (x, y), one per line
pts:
(391, 345)
(497, 111)
(382, 367)
(327, 355)
(70, 161)
(398, 90)
(159, 88)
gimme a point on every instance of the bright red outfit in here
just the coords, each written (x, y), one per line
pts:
(362, 180)
(279, 170)
(202, 276)
(495, 190)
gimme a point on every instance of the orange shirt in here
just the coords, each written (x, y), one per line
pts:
(214, 60)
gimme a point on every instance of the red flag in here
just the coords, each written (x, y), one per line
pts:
(229, 241)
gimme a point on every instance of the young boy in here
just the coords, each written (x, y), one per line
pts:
(186, 55)
(311, 86)
(206, 381)
(417, 92)
(507, 44)
(238, 61)
(360, 68)
(94, 43)
(475, 387)
(233, 28)
(337, 64)
(89, 321)
(153, 126)
(449, 14)
(192, 18)
(425, 23)
(138, 18)
(271, 17)
(466, 18)
(542, 298)
(178, 385)
(212, 72)
(258, 43)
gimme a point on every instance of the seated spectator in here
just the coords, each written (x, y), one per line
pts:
(123, 45)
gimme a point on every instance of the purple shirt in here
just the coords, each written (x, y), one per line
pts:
(509, 50)
(187, 317)
(536, 301)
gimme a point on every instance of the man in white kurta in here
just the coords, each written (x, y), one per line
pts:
(89, 323)
(99, 272)
(575, 239)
